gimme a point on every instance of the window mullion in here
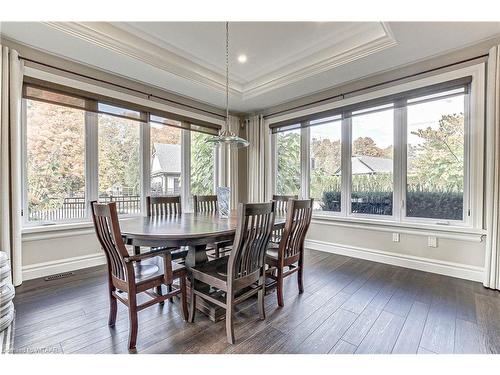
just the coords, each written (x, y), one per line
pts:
(145, 160)
(91, 159)
(24, 160)
(274, 162)
(399, 163)
(186, 169)
(345, 165)
(304, 162)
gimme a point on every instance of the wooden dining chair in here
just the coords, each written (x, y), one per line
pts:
(161, 206)
(122, 275)
(240, 275)
(205, 203)
(166, 206)
(281, 205)
(282, 201)
(289, 253)
(208, 204)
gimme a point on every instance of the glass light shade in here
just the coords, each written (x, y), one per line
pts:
(227, 137)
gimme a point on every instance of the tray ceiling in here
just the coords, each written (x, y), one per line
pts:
(286, 60)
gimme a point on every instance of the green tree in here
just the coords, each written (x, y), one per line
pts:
(119, 154)
(437, 163)
(325, 163)
(288, 179)
(202, 164)
(55, 155)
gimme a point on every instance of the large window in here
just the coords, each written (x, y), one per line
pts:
(435, 156)
(55, 164)
(411, 156)
(371, 160)
(325, 163)
(79, 149)
(288, 162)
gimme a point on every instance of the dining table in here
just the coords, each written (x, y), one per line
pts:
(195, 231)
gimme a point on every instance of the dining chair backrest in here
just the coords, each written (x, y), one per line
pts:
(298, 219)
(254, 228)
(163, 206)
(282, 200)
(205, 203)
(107, 228)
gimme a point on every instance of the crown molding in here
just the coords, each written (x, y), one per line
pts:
(352, 43)
(105, 35)
(385, 39)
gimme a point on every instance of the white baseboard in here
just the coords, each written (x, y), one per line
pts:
(462, 271)
(34, 271)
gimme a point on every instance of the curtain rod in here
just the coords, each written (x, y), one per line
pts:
(120, 86)
(342, 95)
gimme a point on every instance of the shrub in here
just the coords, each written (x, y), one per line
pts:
(425, 204)
(331, 201)
(435, 205)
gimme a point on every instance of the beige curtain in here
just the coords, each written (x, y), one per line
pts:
(11, 79)
(492, 263)
(258, 159)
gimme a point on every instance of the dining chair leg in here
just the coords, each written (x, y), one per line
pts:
(192, 304)
(113, 307)
(159, 292)
(132, 311)
(169, 290)
(229, 317)
(300, 279)
(184, 297)
(279, 286)
(260, 298)
(300, 273)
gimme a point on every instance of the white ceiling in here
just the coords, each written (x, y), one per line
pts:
(286, 60)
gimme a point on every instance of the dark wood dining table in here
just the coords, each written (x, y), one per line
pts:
(193, 230)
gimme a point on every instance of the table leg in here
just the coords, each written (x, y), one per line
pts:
(196, 255)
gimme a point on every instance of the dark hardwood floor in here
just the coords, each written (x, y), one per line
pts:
(349, 306)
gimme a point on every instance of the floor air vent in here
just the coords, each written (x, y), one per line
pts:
(59, 276)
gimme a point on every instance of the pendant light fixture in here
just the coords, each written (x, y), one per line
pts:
(226, 136)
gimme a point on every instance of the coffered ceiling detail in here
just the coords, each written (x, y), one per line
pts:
(339, 44)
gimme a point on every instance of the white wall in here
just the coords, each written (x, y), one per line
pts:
(49, 253)
(461, 257)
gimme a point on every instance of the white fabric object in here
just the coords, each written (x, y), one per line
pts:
(11, 80)
(7, 293)
(492, 262)
(258, 159)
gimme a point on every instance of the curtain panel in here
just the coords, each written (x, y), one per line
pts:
(258, 159)
(11, 81)
(492, 262)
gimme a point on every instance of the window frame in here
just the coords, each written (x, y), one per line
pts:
(474, 117)
(92, 166)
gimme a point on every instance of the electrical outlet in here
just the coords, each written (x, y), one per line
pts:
(395, 237)
(432, 241)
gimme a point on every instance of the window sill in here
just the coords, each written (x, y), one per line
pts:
(451, 232)
(40, 232)
(56, 227)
